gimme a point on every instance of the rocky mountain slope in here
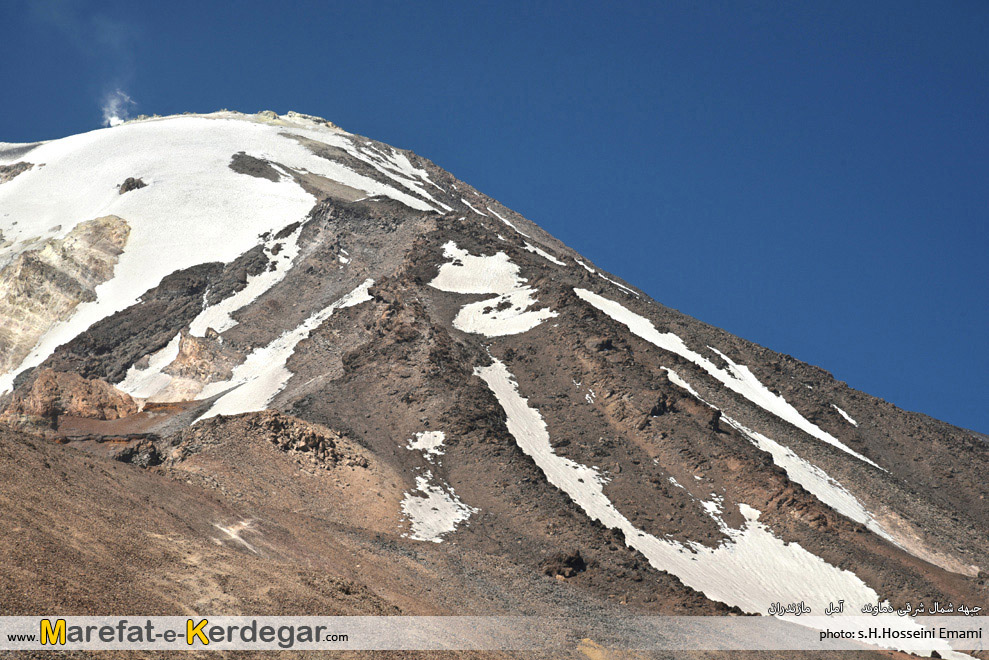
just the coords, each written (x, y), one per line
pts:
(340, 380)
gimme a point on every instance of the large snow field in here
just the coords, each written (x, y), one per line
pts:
(194, 209)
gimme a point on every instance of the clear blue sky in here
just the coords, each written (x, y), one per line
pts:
(810, 176)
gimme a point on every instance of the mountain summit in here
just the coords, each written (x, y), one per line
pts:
(255, 363)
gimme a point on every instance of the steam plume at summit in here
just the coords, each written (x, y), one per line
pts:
(116, 107)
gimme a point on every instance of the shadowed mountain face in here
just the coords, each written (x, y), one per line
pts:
(336, 379)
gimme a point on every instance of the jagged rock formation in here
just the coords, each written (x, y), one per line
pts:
(324, 331)
(309, 443)
(43, 285)
(202, 359)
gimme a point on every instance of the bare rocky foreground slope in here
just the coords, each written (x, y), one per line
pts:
(256, 364)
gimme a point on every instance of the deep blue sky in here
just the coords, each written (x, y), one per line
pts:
(810, 176)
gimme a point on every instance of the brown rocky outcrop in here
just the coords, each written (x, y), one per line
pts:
(308, 442)
(203, 359)
(54, 394)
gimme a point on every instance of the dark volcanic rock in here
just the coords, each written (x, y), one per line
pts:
(130, 183)
(251, 166)
(144, 453)
(111, 345)
(564, 564)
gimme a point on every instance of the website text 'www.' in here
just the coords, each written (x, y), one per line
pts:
(142, 633)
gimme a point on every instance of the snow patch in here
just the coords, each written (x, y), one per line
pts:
(592, 271)
(618, 284)
(509, 312)
(848, 418)
(545, 255)
(585, 266)
(430, 443)
(485, 317)
(714, 508)
(738, 378)
(143, 383)
(467, 273)
(398, 168)
(472, 208)
(433, 509)
(194, 209)
(218, 316)
(507, 222)
(233, 533)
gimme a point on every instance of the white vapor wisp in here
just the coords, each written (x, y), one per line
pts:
(115, 107)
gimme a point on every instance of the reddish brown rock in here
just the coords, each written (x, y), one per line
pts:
(54, 394)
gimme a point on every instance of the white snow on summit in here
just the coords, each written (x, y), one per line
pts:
(194, 209)
(398, 168)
